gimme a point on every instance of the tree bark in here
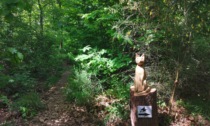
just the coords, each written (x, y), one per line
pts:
(41, 17)
(171, 102)
(146, 100)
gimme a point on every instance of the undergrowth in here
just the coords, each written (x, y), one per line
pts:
(28, 104)
(82, 87)
(97, 72)
(197, 106)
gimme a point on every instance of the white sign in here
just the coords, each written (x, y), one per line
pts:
(144, 111)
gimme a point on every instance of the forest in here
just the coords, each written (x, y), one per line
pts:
(72, 62)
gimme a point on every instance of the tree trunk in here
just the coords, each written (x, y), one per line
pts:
(30, 22)
(41, 16)
(171, 102)
(149, 101)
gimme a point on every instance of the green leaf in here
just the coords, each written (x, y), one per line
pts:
(20, 56)
(12, 50)
(83, 57)
(129, 41)
(1, 67)
(86, 48)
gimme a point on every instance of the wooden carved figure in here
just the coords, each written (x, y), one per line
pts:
(140, 85)
(142, 95)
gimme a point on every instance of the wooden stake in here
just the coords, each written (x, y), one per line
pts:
(173, 91)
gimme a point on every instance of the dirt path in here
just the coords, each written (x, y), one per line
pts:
(59, 112)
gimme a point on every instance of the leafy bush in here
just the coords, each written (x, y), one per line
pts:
(197, 106)
(102, 63)
(97, 61)
(4, 80)
(4, 101)
(22, 82)
(97, 70)
(117, 113)
(28, 104)
(119, 89)
(19, 81)
(82, 87)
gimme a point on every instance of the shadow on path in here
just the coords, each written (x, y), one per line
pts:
(59, 112)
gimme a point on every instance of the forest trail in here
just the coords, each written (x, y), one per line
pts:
(59, 112)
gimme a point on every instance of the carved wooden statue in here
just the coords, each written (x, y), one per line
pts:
(142, 95)
(140, 85)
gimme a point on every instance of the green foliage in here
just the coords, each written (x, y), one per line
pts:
(82, 87)
(95, 64)
(70, 58)
(96, 71)
(117, 112)
(101, 64)
(100, 61)
(161, 103)
(28, 104)
(37, 36)
(197, 106)
(119, 89)
(87, 19)
(93, 60)
(15, 55)
(21, 82)
(4, 80)
(170, 36)
(4, 101)
(165, 120)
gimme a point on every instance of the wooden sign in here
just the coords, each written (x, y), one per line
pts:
(144, 111)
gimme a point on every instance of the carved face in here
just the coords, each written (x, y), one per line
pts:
(140, 59)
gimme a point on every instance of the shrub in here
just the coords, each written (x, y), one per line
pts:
(82, 87)
(17, 83)
(28, 104)
(4, 101)
(119, 89)
(196, 106)
(102, 63)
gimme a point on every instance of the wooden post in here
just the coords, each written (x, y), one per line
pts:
(143, 108)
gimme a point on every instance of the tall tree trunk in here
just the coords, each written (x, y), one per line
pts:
(41, 16)
(59, 3)
(61, 32)
(30, 21)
